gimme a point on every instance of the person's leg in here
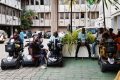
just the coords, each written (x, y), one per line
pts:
(43, 56)
(88, 48)
(76, 53)
(93, 47)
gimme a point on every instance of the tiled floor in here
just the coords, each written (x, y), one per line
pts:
(85, 69)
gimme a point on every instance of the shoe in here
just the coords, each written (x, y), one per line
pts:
(43, 67)
(111, 60)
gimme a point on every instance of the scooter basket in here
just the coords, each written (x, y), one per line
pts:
(111, 47)
(9, 47)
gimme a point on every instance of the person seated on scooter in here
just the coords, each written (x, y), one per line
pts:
(110, 47)
(82, 40)
(18, 43)
(57, 46)
(98, 39)
(112, 35)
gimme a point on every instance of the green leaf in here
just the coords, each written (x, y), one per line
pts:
(26, 18)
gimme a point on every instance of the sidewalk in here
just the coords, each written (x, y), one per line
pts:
(85, 69)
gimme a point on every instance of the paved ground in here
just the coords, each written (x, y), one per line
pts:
(85, 69)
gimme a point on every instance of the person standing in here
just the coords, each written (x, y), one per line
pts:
(22, 38)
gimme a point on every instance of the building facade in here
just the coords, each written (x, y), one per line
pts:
(115, 17)
(83, 15)
(112, 16)
(10, 15)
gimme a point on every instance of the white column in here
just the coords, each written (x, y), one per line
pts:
(54, 15)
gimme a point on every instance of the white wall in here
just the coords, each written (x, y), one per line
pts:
(9, 20)
(13, 3)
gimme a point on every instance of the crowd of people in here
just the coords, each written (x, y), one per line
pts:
(35, 46)
(102, 35)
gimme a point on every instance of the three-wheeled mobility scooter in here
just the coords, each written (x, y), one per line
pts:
(108, 58)
(55, 58)
(15, 55)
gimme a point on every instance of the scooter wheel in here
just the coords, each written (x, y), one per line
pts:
(3, 67)
(102, 67)
(17, 65)
(61, 64)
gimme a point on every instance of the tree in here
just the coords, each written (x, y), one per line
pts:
(104, 3)
(26, 18)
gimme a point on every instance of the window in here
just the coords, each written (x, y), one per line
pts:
(6, 11)
(77, 1)
(89, 13)
(46, 2)
(82, 15)
(0, 9)
(92, 15)
(27, 2)
(61, 1)
(66, 15)
(36, 2)
(32, 2)
(13, 12)
(97, 13)
(3, 9)
(19, 14)
(77, 15)
(47, 15)
(82, 1)
(41, 2)
(42, 15)
(61, 15)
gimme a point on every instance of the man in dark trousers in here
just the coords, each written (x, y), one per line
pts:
(82, 40)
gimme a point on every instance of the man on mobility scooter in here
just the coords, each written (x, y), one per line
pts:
(55, 58)
(37, 55)
(15, 49)
(108, 59)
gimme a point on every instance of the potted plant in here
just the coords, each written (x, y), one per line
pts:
(70, 42)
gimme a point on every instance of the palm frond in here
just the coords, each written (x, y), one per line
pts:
(105, 2)
(117, 2)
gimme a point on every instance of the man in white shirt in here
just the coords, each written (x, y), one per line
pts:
(82, 39)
